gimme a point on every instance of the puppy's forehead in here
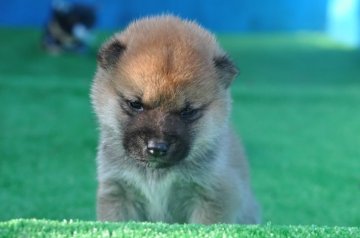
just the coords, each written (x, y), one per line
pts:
(165, 59)
(167, 74)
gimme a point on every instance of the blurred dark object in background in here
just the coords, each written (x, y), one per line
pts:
(69, 28)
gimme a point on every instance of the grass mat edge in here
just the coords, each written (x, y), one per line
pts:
(71, 228)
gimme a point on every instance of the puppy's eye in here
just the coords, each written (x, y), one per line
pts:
(189, 113)
(136, 106)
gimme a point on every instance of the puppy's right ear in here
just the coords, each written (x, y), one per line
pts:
(226, 69)
(110, 53)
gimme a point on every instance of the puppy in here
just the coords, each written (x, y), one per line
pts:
(166, 151)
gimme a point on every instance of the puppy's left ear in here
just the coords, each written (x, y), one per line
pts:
(109, 54)
(226, 69)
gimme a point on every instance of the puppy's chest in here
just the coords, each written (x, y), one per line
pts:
(165, 201)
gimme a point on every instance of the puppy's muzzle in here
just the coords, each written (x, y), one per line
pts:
(156, 137)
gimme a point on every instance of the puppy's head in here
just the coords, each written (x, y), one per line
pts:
(161, 89)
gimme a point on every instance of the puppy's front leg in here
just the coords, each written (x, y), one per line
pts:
(113, 204)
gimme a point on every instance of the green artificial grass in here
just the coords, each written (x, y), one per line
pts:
(296, 106)
(45, 229)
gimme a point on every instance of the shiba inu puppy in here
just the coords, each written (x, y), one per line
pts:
(166, 151)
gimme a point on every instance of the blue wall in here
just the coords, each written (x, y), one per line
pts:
(218, 15)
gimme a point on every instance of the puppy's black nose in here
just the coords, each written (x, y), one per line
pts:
(157, 148)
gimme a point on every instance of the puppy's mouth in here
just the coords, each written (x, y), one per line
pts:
(156, 163)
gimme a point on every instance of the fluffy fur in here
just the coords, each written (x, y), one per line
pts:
(168, 65)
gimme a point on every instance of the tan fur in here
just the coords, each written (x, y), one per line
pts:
(168, 61)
